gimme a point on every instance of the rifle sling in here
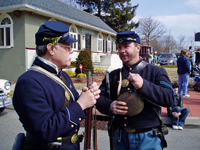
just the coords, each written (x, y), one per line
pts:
(54, 78)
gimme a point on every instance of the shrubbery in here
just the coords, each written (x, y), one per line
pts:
(85, 59)
(81, 76)
(70, 73)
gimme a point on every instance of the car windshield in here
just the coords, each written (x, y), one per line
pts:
(165, 55)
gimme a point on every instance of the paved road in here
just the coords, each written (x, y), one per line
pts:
(184, 140)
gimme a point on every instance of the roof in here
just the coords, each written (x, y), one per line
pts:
(58, 9)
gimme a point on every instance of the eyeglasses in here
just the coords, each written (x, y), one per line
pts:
(68, 48)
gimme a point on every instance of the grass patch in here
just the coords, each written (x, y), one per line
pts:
(169, 66)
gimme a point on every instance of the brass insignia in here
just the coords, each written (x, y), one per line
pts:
(120, 40)
(125, 83)
(67, 95)
(74, 138)
(134, 39)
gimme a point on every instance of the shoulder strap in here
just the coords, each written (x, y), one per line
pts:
(140, 67)
(53, 77)
(137, 69)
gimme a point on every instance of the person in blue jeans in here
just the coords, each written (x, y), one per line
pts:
(184, 69)
(176, 111)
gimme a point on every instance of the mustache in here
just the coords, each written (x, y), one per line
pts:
(70, 57)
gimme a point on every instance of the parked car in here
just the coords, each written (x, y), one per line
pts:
(5, 99)
(167, 59)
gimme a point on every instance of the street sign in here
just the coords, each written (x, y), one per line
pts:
(81, 66)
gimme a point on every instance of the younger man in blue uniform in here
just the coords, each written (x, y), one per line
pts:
(151, 83)
(46, 110)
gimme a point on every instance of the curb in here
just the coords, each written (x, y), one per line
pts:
(188, 121)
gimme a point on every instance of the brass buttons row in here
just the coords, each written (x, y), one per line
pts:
(73, 125)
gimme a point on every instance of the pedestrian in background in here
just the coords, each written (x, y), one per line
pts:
(197, 53)
(177, 112)
(188, 77)
(135, 128)
(183, 65)
(51, 114)
(155, 58)
(150, 56)
(191, 58)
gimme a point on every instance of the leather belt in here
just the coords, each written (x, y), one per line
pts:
(68, 140)
(137, 130)
(61, 141)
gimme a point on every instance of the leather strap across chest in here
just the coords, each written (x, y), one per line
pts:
(53, 77)
(137, 69)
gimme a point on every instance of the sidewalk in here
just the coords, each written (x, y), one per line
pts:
(193, 103)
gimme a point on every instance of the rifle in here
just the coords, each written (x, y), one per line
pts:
(111, 131)
(94, 125)
(87, 144)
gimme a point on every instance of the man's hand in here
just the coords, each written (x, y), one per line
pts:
(89, 96)
(175, 114)
(136, 79)
(118, 108)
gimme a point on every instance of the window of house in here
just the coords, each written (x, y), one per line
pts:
(88, 41)
(74, 34)
(100, 42)
(109, 45)
(6, 31)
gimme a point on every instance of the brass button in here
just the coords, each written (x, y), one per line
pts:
(76, 130)
(72, 125)
(79, 119)
(124, 125)
(130, 68)
(125, 118)
(128, 89)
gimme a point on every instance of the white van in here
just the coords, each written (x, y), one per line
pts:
(5, 99)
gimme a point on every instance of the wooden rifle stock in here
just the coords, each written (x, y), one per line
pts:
(88, 125)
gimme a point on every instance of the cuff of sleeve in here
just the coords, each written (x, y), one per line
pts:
(76, 113)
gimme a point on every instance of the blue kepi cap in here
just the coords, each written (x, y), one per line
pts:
(127, 37)
(53, 32)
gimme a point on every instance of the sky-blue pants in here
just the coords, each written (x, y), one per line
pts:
(137, 141)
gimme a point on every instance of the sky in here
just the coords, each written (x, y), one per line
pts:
(180, 17)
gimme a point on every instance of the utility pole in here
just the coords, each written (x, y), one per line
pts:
(169, 40)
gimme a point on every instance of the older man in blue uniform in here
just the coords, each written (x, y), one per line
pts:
(137, 90)
(50, 114)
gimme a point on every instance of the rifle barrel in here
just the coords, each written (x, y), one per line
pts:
(88, 120)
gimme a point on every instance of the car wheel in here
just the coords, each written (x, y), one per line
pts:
(2, 109)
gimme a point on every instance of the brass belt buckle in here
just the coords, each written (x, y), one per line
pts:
(130, 130)
(74, 138)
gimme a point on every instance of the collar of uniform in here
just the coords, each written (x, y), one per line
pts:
(130, 68)
(49, 63)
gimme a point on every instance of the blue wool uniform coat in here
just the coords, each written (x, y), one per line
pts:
(156, 88)
(39, 101)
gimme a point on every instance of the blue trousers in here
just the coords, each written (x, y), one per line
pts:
(180, 121)
(183, 83)
(137, 141)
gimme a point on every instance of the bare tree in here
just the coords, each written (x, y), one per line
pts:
(150, 30)
(169, 44)
(181, 42)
